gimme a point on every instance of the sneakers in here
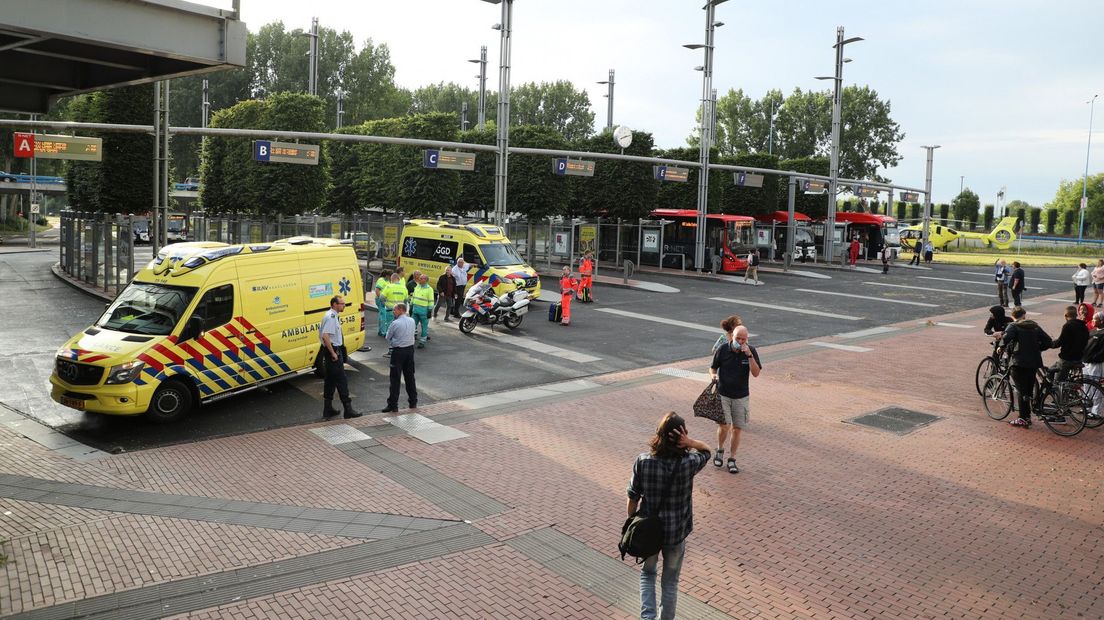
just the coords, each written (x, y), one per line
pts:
(1021, 422)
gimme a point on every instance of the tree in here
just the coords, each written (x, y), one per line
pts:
(813, 205)
(750, 200)
(1068, 198)
(233, 182)
(557, 105)
(619, 189)
(965, 206)
(535, 192)
(988, 217)
(1051, 220)
(803, 128)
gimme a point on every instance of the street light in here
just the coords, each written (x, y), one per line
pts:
(770, 135)
(340, 107)
(482, 62)
(924, 233)
(503, 122)
(312, 53)
(706, 133)
(833, 172)
(609, 104)
(1085, 183)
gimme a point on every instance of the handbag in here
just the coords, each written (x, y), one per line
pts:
(708, 404)
(642, 534)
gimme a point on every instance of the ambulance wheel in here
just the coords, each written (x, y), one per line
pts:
(467, 324)
(512, 321)
(171, 402)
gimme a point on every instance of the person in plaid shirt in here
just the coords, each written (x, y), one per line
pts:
(663, 478)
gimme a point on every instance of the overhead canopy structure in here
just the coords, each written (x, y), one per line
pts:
(54, 48)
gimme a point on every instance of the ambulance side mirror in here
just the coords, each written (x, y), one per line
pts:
(193, 328)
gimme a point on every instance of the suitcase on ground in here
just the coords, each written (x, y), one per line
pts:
(584, 294)
(555, 313)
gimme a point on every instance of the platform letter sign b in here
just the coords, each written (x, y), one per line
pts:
(24, 144)
(262, 150)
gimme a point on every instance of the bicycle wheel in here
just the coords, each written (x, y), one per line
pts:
(986, 368)
(1063, 408)
(1093, 395)
(997, 397)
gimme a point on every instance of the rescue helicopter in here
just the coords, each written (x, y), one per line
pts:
(1001, 237)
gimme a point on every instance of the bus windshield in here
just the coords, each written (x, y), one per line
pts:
(144, 308)
(500, 255)
(741, 238)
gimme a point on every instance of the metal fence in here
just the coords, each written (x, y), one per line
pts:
(98, 249)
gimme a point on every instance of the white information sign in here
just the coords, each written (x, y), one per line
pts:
(651, 240)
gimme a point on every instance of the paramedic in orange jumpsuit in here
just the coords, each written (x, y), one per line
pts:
(567, 291)
(586, 274)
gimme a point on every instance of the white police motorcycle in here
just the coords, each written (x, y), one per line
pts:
(507, 310)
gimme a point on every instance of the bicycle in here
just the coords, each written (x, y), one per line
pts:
(1063, 404)
(993, 364)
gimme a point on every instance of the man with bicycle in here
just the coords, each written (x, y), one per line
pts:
(1071, 344)
(1027, 341)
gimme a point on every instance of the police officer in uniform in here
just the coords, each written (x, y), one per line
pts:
(333, 352)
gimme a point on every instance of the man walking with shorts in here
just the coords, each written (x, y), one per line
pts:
(733, 364)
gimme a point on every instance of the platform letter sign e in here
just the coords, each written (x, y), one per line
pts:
(24, 144)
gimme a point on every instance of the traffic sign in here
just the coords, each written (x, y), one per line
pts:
(1084, 202)
(285, 152)
(814, 187)
(43, 146)
(910, 197)
(670, 173)
(34, 208)
(448, 160)
(573, 167)
(747, 179)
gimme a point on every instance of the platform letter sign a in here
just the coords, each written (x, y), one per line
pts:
(24, 144)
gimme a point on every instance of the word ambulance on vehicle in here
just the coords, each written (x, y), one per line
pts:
(203, 321)
(430, 245)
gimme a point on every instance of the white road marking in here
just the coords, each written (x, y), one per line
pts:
(524, 394)
(756, 304)
(685, 374)
(928, 290)
(537, 346)
(958, 325)
(716, 331)
(841, 347)
(1064, 301)
(873, 331)
(796, 272)
(421, 427)
(871, 298)
(1028, 278)
(954, 280)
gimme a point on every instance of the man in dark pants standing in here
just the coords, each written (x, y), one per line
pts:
(401, 338)
(916, 249)
(333, 352)
(1017, 286)
(1029, 342)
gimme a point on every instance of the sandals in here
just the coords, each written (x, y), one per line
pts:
(732, 469)
(718, 458)
(1021, 422)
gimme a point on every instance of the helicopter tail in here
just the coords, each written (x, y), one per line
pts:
(1003, 234)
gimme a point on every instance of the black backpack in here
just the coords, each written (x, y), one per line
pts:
(1094, 349)
(642, 535)
(754, 260)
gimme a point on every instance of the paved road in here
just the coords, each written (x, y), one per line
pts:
(626, 329)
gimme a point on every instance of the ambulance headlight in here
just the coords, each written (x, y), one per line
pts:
(124, 373)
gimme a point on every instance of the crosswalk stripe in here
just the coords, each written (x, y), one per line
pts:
(537, 346)
(928, 290)
(954, 280)
(870, 297)
(756, 304)
(841, 347)
(957, 325)
(873, 331)
(1029, 278)
(716, 331)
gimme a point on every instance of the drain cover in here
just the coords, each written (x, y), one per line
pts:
(895, 420)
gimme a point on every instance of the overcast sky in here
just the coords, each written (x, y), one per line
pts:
(1002, 86)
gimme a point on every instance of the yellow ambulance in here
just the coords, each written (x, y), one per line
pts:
(205, 320)
(430, 246)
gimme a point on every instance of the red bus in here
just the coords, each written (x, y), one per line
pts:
(872, 229)
(730, 235)
(777, 225)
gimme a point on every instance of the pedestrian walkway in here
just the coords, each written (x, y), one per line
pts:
(872, 485)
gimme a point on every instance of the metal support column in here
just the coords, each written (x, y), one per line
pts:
(791, 225)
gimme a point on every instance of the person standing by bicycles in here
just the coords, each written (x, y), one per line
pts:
(1028, 341)
(1070, 344)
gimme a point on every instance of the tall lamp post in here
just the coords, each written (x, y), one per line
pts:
(503, 122)
(340, 107)
(770, 136)
(312, 66)
(924, 232)
(1085, 183)
(482, 62)
(706, 132)
(833, 173)
(609, 104)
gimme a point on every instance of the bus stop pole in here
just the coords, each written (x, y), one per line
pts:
(791, 225)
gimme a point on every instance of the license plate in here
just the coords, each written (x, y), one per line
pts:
(75, 403)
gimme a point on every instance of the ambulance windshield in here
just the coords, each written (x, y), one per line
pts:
(500, 254)
(144, 308)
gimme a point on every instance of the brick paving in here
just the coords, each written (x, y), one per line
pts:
(965, 518)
